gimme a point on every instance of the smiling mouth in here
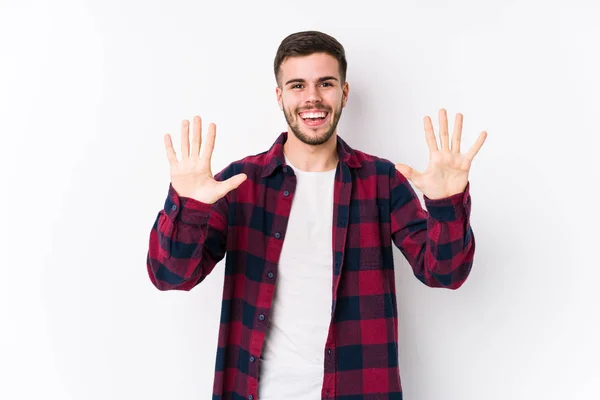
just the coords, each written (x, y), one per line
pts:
(313, 118)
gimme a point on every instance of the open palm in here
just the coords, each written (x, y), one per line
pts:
(192, 176)
(448, 170)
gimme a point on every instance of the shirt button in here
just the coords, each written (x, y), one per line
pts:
(250, 397)
(277, 235)
(173, 207)
(252, 359)
(285, 169)
(261, 317)
(328, 351)
(270, 275)
(286, 193)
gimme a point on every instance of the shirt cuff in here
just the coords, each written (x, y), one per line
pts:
(450, 208)
(186, 209)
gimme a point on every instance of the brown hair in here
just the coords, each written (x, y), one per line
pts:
(309, 42)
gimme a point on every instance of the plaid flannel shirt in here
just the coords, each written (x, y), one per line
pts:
(375, 207)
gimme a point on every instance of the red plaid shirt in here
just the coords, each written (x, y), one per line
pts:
(375, 207)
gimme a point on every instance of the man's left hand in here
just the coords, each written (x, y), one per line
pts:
(448, 171)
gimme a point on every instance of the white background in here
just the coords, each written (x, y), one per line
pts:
(88, 88)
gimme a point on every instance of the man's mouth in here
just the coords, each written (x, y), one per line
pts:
(314, 118)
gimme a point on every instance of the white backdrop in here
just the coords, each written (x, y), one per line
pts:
(88, 88)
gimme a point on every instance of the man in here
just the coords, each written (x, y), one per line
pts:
(309, 302)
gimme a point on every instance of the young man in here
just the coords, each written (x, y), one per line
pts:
(309, 301)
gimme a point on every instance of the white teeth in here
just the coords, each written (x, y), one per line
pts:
(313, 115)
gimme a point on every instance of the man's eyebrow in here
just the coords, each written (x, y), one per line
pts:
(300, 80)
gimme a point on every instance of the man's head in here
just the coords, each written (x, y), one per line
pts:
(310, 70)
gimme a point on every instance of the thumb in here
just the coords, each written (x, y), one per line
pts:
(405, 170)
(234, 182)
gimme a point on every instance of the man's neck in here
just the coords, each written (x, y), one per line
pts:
(310, 158)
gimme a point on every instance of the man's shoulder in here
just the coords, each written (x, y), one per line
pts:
(373, 164)
(251, 165)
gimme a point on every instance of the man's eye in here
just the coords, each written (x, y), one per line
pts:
(299, 85)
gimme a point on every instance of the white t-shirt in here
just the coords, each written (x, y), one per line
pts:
(292, 362)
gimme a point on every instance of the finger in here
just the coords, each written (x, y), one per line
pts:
(209, 145)
(196, 137)
(232, 183)
(443, 117)
(185, 139)
(171, 156)
(476, 146)
(429, 135)
(408, 172)
(457, 134)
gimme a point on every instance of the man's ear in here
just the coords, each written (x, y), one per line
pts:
(278, 94)
(346, 90)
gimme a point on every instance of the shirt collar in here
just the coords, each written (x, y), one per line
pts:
(275, 158)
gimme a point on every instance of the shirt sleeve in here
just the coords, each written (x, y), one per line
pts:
(187, 240)
(437, 241)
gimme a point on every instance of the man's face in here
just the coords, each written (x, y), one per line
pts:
(311, 96)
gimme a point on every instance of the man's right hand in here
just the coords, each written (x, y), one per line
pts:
(192, 176)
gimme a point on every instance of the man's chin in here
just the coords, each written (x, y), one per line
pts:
(313, 137)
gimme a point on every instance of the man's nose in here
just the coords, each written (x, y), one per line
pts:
(312, 95)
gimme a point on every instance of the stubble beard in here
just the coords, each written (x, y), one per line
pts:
(293, 120)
